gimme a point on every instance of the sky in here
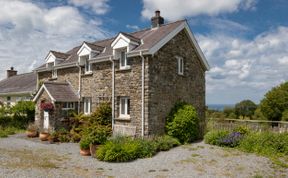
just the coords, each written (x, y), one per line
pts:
(244, 41)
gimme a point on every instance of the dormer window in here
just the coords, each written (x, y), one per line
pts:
(50, 65)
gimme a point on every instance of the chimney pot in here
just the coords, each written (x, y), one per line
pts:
(157, 20)
(11, 72)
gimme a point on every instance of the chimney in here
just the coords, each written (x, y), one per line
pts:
(11, 72)
(157, 20)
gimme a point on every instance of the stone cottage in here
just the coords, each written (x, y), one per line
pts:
(142, 74)
(17, 87)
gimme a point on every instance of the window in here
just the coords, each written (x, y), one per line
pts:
(87, 105)
(123, 60)
(8, 100)
(124, 107)
(87, 66)
(180, 64)
(68, 105)
(54, 73)
(50, 65)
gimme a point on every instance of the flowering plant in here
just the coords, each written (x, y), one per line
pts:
(231, 140)
(47, 106)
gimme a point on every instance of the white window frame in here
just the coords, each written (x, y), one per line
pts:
(127, 106)
(125, 66)
(68, 105)
(87, 103)
(87, 67)
(180, 65)
(54, 73)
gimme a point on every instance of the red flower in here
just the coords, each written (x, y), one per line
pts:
(47, 106)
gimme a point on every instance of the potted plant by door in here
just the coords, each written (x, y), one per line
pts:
(97, 137)
(44, 135)
(32, 130)
(84, 146)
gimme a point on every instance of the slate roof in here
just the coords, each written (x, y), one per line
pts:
(61, 92)
(60, 54)
(94, 46)
(149, 37)
(22, 83)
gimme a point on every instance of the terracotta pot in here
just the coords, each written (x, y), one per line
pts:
(93, 148)
(44, 136)
(85, 152)
(31, 133)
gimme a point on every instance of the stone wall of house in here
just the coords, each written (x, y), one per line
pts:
(70, 75)
(98, 85)
(166, 86)
(128, 84)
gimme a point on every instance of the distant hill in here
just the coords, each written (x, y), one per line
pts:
(219, 107)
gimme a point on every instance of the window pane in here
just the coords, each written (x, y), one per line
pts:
(123, 58)
(122, 105)
(128, 106)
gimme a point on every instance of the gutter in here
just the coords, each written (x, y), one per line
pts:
(142, 94)
(79, 87)
(113, 92)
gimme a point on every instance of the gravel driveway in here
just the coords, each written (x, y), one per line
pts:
(23, 157)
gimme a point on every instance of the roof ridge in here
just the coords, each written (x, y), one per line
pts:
(56, 83)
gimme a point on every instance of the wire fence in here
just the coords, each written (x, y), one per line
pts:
(255, 125)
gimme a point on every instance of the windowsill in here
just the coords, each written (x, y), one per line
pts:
(87, 73)
(53, 78)
(123, 118)
(125, 68)
(180, 74)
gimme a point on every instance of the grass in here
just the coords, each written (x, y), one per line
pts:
(6, 131)
(27, 159)
(267, 144)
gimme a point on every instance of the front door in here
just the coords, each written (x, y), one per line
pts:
(46, 120)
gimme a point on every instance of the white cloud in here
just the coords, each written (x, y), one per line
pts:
(175, 9)
(133, 27)
(98, 6)
(239, 65)
(28, 33)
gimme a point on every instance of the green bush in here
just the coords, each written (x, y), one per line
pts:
(265, 143)
(119, 149)
(123, 149)
(214, 137)
(242, 130)
(184, 125)
(285, 115)
(6, 131)
(84, 142)
(102, 115)
(165, 143)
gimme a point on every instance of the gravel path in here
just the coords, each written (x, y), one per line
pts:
(23, 157)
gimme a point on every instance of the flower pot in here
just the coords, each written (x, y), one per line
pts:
(31, 134)
(44, 136)
(93, 148)
(85, 152)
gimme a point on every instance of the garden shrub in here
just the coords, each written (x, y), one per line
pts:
(265, 143)
(184, 125)
(231, 140)
(242, 130)
(214, 137)
(123, 149)
(102, 115)
(165, 143)
(84, 142)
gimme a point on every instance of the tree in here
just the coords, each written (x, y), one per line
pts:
(285, 115)
(275, 102)
(245, 108)
(229, 111)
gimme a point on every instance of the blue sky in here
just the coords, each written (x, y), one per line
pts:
(244, 41)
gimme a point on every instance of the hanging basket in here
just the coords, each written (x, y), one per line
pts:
(47, 106)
